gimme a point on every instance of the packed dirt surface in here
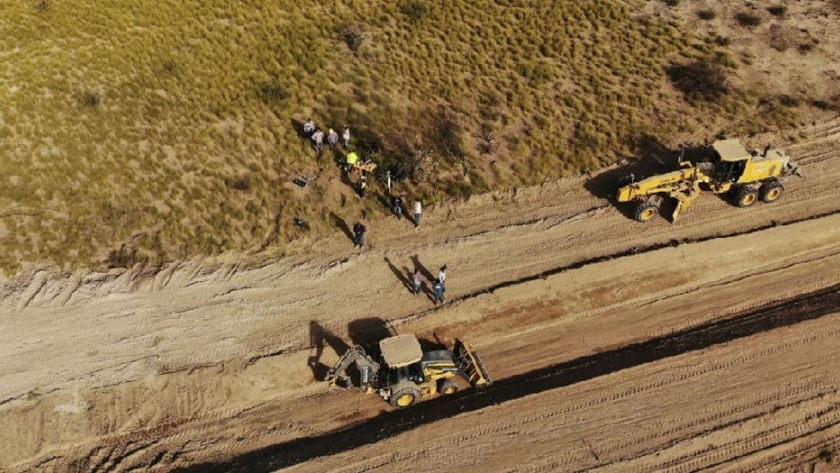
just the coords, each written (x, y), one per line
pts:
(219, 365)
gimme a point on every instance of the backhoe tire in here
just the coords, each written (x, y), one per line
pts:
(745, 196)
(770, 191)
(405, 396)
(647, 210)
(447, 386)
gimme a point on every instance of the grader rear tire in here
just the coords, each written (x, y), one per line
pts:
(770, 191)
(745, 196)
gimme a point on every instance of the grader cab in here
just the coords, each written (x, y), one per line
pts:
(748, 176)
(402, 373)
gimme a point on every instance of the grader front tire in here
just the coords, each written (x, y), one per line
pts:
(647, 210)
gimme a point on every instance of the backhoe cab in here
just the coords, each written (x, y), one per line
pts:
(746, 176)
(402, 373)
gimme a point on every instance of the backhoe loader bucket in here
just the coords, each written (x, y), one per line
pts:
(470, 363)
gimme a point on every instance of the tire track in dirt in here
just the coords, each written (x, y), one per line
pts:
(807, 307)
(599, 259)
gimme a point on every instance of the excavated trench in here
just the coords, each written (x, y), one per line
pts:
(779, 314)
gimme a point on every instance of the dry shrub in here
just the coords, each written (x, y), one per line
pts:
(699, 80)
(90, 99)
(777, 10)
(415, 10)
(352, 37)
(747, 19)
(706, 14)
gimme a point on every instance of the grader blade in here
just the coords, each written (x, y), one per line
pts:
(684, 199)
(471, 365)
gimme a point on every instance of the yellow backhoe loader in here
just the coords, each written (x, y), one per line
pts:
(746, 175)
(402, 373)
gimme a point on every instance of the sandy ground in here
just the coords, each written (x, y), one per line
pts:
(201, 362)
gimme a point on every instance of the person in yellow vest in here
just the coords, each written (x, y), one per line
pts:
(352, 161)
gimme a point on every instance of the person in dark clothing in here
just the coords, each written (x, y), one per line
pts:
(362, 185)
(359, 232)
(397, 204)
(440, 291)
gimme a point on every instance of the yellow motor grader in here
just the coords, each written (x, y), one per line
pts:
(748, 176)
(402, 373)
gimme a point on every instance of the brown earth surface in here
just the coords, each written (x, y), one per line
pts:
(608, 341)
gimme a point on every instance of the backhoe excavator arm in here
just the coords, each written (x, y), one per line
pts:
(368, 370)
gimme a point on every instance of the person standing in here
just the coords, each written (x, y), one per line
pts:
(418, 212)
(332, 139)
(308, 128)
(351, 160)
(362, 185)
(440, 291)
(397, 204)
(442, 275)
(318, 140)
(416, 281)
(359, 232)
(346, 136)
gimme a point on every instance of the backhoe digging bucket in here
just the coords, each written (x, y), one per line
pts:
(470, 363)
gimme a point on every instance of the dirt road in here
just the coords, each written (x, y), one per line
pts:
(203, 362)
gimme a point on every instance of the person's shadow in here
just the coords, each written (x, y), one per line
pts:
(427, 275)
(402, 276)
(297, 125)
(319, 337)
(342, 225)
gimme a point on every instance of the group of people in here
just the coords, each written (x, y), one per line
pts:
(312, 132)
(438, 285)
(397, 206)
(317, 136)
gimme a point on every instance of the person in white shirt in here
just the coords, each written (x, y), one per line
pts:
(418, 211)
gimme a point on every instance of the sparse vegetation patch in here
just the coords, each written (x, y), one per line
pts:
(145, 131)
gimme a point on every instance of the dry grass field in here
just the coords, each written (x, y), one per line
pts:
(148, 131)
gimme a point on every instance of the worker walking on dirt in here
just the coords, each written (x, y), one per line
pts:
(318, 141)
(332, 139)
(346, 136)
(416, 281)
(440, 291)
(418, 211)
(397, 204)
(359, 233)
